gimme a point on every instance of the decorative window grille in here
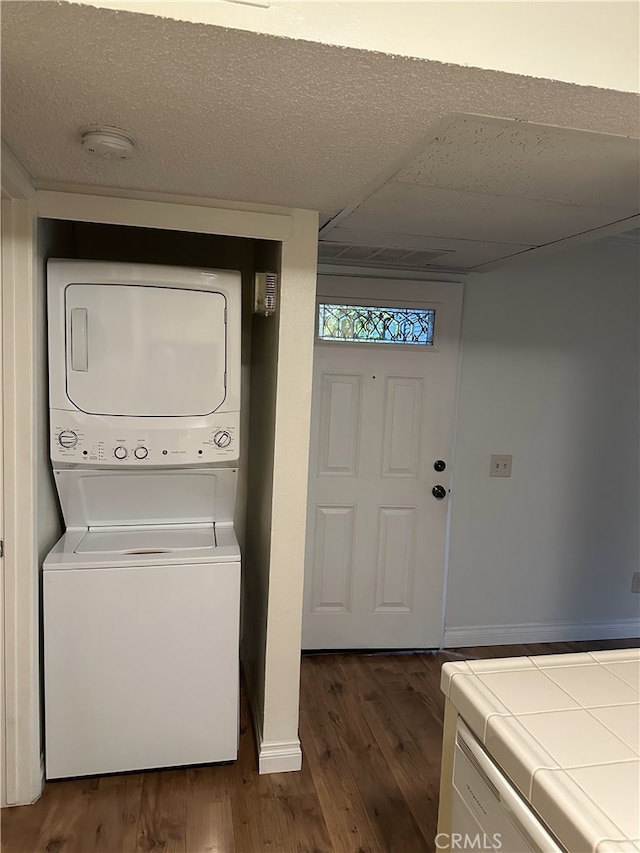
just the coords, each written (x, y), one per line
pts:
(375, 325)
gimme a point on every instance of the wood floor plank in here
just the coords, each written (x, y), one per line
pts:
(300, 814)
(358, 675)
(386, 808)
(209, 818)
(21, 825)
(418, 713)
(48, 823)
(256, 825)
(345, 814)
(293, 784)
(163, 812)
(112, 818)
(415, 766)
(324, 732)
(64, 823)
(209, 826)
(425, 682)
(302, 823)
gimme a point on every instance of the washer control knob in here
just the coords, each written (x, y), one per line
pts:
(141, 452)
(120, 452)
(222, 438)
(67, 438)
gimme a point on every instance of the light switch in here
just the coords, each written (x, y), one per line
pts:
(501, 466)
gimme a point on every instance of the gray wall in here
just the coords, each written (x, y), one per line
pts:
(549, 374)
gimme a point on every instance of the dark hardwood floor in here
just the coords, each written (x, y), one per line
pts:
(370, 726)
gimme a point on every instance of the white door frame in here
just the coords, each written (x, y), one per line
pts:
(277, 681)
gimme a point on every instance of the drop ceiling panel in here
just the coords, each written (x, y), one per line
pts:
(496, 187)
(515, 158)
(414, 209)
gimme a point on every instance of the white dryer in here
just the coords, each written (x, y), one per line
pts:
(141, 594)
(144, 365)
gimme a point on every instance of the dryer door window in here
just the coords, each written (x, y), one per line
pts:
(145, 351)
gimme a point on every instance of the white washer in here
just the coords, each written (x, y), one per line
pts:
(141, 650)
(141, 596)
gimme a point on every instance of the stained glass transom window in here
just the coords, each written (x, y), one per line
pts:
(375, 325)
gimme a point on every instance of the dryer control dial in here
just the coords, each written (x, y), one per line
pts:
(141, 452)
(222, 438)
(120, 452)
(67, 438)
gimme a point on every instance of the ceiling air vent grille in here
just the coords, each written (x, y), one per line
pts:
(378, 256)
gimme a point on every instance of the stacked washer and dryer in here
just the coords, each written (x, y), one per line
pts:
(141, 595)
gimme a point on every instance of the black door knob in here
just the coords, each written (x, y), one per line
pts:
(439, 465)
(439, 492)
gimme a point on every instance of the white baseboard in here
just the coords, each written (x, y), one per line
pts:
(279, 756)
(539, 632)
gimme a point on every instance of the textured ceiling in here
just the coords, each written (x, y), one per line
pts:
(235, 115)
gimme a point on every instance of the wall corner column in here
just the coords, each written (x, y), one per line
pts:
(280, 747)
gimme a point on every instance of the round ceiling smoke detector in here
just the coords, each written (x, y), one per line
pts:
(109, 143)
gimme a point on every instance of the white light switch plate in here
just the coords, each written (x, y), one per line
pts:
(501, 465)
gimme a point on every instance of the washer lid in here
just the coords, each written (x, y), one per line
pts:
(159, 540)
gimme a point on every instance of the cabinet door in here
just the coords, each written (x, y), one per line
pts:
(145, 351)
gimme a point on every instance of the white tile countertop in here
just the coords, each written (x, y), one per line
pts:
(566, 730)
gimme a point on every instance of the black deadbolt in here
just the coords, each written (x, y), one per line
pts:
(439, 465)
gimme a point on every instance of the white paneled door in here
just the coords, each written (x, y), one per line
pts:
(382, 424)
